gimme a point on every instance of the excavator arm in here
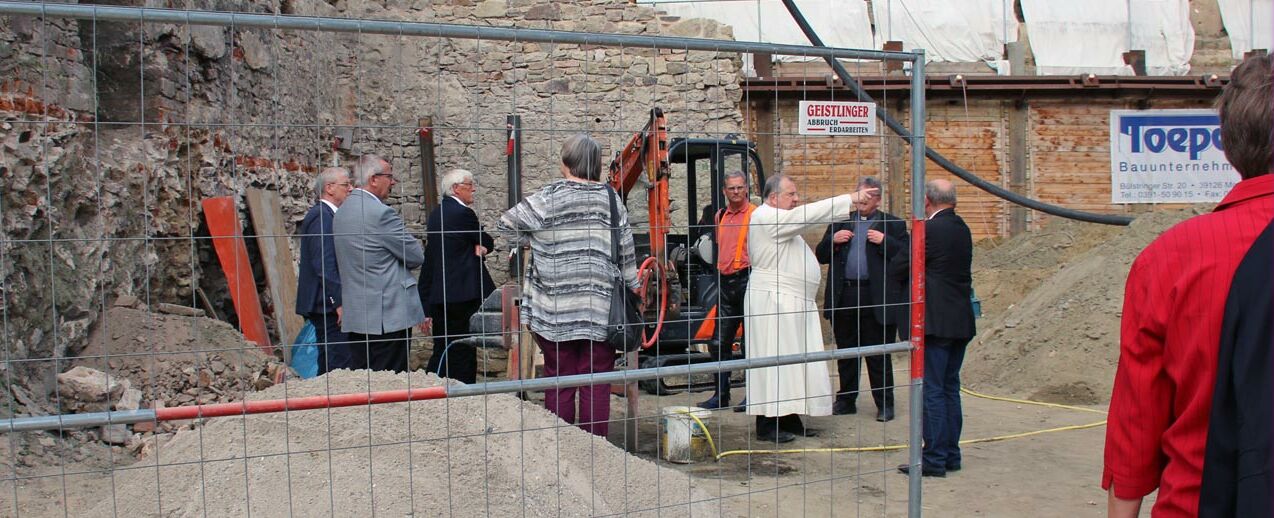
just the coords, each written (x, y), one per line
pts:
(647, 153)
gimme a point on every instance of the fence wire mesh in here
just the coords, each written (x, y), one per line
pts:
(164, 244)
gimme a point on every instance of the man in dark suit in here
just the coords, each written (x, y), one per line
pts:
(318, 289)
(948, 326)
(864, 305)
(454, 280)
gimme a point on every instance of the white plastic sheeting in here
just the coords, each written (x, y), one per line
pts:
(1091, 36)
(1239, 17)
(949, 30)
(839, 23)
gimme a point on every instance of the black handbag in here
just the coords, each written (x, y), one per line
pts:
(623, 331)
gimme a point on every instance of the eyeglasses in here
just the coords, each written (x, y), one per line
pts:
(737, 188)
(390, 175)
(468, 184)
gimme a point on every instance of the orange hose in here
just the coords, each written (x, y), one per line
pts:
(643, 273)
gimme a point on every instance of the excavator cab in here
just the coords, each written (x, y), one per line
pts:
(698, 168)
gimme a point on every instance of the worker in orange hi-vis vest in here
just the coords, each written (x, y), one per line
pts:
(733, 267)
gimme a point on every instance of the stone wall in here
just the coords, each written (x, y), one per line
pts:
(113, 133)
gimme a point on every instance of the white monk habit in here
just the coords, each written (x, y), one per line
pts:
(781, 316)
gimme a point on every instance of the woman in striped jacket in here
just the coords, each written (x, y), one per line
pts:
(566, 301)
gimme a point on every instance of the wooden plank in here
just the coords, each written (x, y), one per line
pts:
(227, 240)
(273, 239)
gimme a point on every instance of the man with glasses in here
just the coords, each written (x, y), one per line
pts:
(864, 304)
(374, 253)
(454, 280)
(318, 288)
(781, 317)
(732, 267)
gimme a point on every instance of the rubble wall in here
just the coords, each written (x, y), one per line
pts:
(112, 133)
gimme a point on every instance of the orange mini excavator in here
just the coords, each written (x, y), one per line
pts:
(678, 314)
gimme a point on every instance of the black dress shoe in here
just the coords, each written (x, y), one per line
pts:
(844, 407)
(953, 467)
(743, 406)
(778, 436)
(885, 415)
(925, 471)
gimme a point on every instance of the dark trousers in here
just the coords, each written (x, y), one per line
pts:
(943, 417)
(452, 359)
(387, 352)
(731, 290)
(790, 423)
(333, 343)
(858, 327)
(578, 357)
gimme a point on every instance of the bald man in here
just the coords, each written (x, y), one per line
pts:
(948, 326)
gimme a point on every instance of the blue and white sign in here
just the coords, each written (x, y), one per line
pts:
(1167, 156)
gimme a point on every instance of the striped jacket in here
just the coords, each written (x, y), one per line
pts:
(569, 288)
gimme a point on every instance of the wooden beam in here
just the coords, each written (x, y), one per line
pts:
(227, 240)
(266, 209)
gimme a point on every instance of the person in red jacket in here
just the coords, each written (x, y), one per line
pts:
(1171, 329)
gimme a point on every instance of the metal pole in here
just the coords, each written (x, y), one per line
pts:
(513, 151)
(25, 424)
(437, 30)
(916, 419)
(428, 166)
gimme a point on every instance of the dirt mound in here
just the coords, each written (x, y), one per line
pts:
(177, 360)
(1052, 302)
(473, 456)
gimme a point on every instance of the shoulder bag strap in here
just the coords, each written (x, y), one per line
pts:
(614, 230)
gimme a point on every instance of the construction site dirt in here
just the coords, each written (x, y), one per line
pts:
(1051, 301)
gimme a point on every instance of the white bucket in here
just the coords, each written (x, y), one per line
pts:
(682, 440)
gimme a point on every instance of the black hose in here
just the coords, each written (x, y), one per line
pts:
(944, 162)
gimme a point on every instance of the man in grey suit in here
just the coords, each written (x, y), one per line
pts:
(374, 253)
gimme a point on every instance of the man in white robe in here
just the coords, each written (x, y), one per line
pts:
(780, 315)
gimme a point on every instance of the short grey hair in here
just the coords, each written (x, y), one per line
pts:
(773, 185)
(453, 178)
(369, 165)
(582, 156)
(938, 196)
(329, 176)
(736, 174)
(868, 182)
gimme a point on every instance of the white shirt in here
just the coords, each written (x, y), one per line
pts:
(458, 200)
(330, 205)
(935, 213)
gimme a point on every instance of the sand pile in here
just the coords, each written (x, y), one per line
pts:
(477, 456)
(1050, 330)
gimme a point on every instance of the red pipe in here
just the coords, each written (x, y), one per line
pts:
(918, 299)
(300, 403)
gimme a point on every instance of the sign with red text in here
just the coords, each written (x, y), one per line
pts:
(833, 118)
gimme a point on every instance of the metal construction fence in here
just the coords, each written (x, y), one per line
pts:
(158, 168)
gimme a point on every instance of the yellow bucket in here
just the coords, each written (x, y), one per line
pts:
(681, 439)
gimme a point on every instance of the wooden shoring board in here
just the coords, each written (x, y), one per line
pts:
(227, 240)
(273, 239)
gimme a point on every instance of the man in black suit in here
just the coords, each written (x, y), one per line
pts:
(318, 289)
(454, 280)
(948, 326)
(864, 305)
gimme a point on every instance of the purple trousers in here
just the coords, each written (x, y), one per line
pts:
(578, 357)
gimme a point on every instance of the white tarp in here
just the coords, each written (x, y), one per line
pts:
(839, 23)
(1239, 16)
(948, 30)
(1091, 36)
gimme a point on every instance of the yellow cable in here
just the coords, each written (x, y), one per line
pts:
(894, 447)
(1028, 402)
(706, 433)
